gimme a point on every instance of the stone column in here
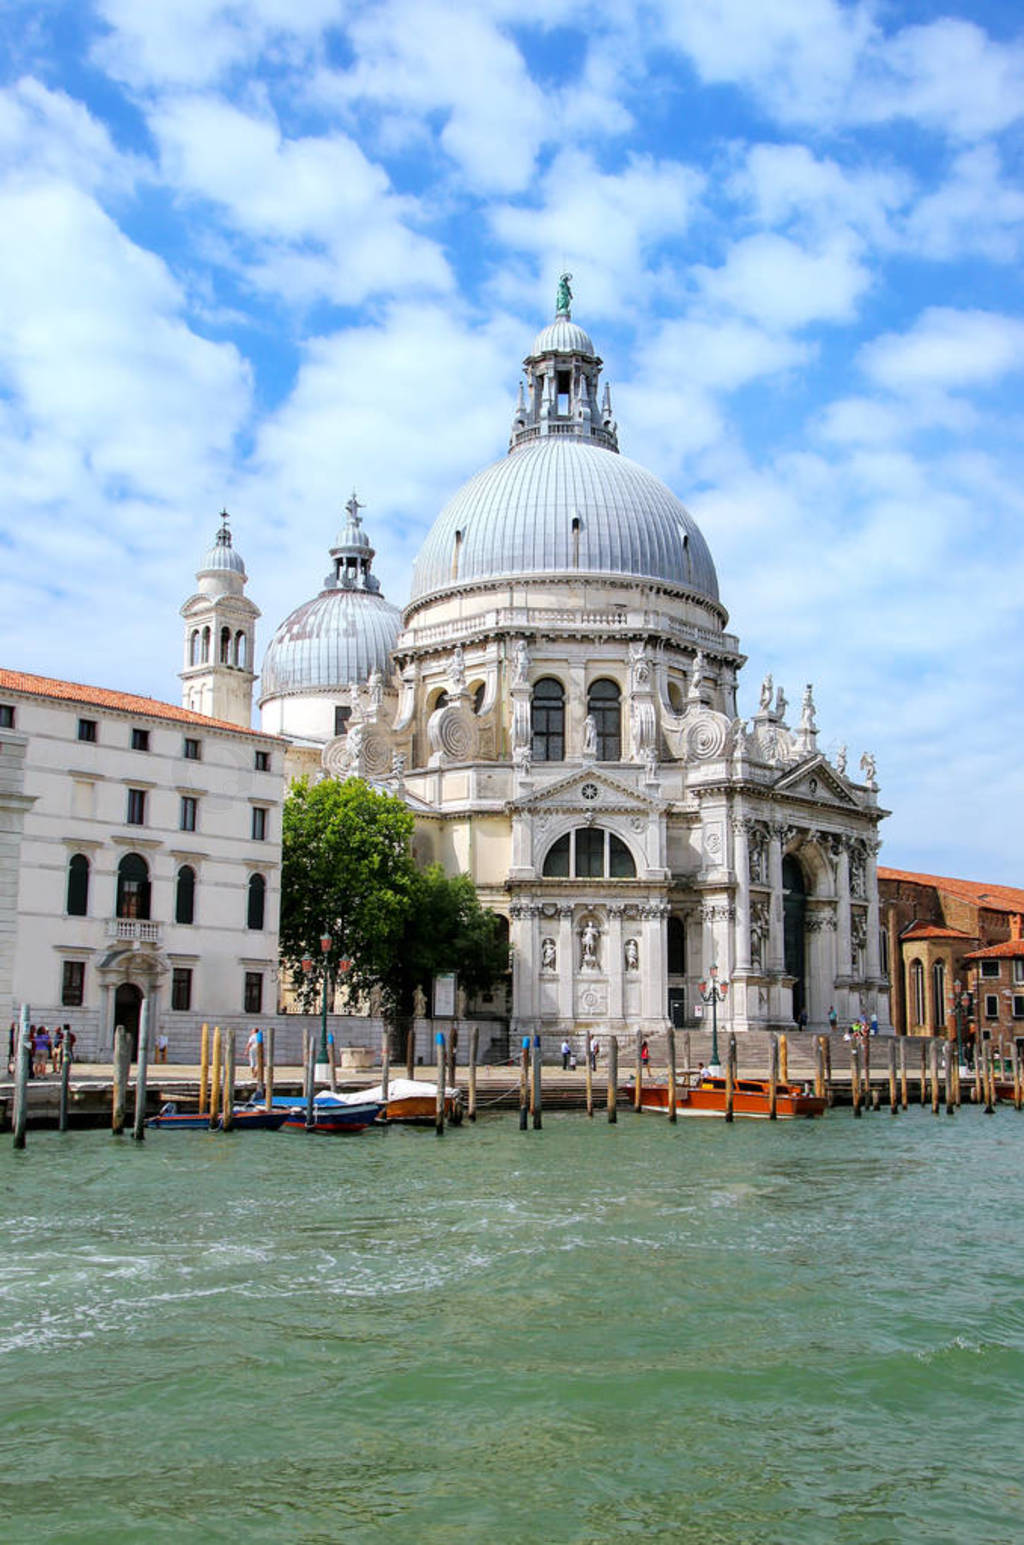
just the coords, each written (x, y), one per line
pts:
(654, 961)
(874, 964)
(741, 868)
(776, 956)
(525, 964)
(566, 963)
(844, 961)
(613, 962)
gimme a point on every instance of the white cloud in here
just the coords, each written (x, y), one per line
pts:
(783, 284)
(946, 349)
(977, 209)
(46, 134)
(195, 42)
(325, 216)
(787, 186)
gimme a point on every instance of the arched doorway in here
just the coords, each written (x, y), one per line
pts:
(794, 911)
(127, 1009)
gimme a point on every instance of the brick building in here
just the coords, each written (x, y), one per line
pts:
(938, 932)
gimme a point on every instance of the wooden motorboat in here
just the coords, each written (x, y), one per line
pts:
(256, 1118)
(415, 1103)
(335, 1113)
(751, 1099)
(173, 1119)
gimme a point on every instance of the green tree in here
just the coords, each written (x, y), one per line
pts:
(346, 870)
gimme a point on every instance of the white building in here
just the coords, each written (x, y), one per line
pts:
(561, 714)
(141, 847)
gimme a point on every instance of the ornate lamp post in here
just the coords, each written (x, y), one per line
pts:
(325, 949)
(713, 991)
(961, 1003)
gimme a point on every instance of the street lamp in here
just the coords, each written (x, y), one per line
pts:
(961, 1003)
(325, 949)
(713, 991)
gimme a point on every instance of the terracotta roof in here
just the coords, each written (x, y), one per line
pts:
(1010, 949)
(123, 702)
(934, 931)
(997, 898)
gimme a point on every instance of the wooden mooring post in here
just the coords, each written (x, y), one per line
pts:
(589, 1071)
(730, 1077)
(309, 1087)
(204, 1067)
(269, 1083)
(119, 1096)
(783, 1070)
(141, 1070)
(819, 1066)
(855, 1085)
(687, 1053)
(670, 1049)
(65, 1077)
(894, 1101)
(990, 1080)
(227, 1120)
(613, 1078)
(537, 1063)
(924, 1072)
(442, 1064)
(474, 1052)
(22, 1058)
(830, 1093)
(638, 1074)
(215, 1078)
(1018, 1090)
(332, 1060)
(903, 1072)
(773, 1077)
(933, 1072)
(524, 1085)
(385, 1066)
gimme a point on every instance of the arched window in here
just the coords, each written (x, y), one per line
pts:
(257, 901)
(589, 853)
(185, 895)
(939, 995)
(917, 1007)
(194, 647)
(78, 886)
(133, 887)
(225, 646)
(240, 650)
(604, 707)
(547, 721)
(676, 947)
(206, 645)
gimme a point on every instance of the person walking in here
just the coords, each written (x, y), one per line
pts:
(833, 1019)
(566, 1052)
(252, 1050)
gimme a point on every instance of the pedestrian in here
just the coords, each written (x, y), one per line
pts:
(833, 1020)
(252, 1052)
(57, 1049)
(801, 1023)
(593, 1054)
(40, 1051)
(69, 1043)
(874, 1024)
(161, 1047)
(645, 1054)
(566, 1053)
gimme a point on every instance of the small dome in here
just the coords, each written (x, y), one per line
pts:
(563, 336)
(561, 505)
(337, 638)
(222, 556)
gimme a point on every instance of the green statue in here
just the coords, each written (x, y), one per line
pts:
(564, 300)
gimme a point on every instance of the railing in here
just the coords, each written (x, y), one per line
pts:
(625, 619)
(133, 928)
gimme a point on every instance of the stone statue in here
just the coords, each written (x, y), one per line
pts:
(766, 693)
(639, 664)
(375, 685)
(867, 767)
(522, 760)
(564, 298)
(650, 764)
(807, 711)
(520, 663)
(457, 669)
(841, 761)
(589, 939)
(419, 1003)
(698, 667)
(548, 955)
(781, 704)
(632, 955)
(590, 735)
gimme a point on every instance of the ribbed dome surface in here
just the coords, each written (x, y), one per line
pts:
(516, 519)
(563, 336)
(337, 638)
(220, 557)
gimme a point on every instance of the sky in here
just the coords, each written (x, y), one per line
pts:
(258, 254)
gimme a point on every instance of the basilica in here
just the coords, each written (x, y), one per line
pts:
(557, 704)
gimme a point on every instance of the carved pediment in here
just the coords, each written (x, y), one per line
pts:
(816, 779)
(587, 788)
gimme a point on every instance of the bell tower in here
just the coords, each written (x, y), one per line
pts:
(220, 636)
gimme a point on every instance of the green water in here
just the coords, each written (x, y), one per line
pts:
(801, 1332)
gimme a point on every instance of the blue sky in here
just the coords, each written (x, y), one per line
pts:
(258, 253)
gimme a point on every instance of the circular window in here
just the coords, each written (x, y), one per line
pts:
(589, 791)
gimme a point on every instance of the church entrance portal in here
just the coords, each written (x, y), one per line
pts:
(794, 910)
(127, 1008)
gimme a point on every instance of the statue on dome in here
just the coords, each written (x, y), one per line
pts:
(766, 693)
(841, 761)
(781, 704)
(520, 663)
(375, 688)
(867, 767)
(807, 710)
(564, 298)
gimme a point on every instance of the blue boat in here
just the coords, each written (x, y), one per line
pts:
(335, 1113)
(169, 1116)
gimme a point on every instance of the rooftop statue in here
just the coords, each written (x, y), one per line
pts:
(564, 298)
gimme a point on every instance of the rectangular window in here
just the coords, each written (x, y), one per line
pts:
(1018, 1005)
(1018, 970)
(140, 740)
(253, 992)
(259, 824)
(72, 986)
(181, 989)
(189, 810)
(263, 761)
(87, 729)
(342, 714)
(991, 1005)
(6, 716)
(191, 749)
(990, 968)
(136, 807)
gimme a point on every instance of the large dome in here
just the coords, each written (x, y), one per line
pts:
(562, 505)
(337, 638)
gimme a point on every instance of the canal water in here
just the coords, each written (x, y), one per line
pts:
(725, 1335)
